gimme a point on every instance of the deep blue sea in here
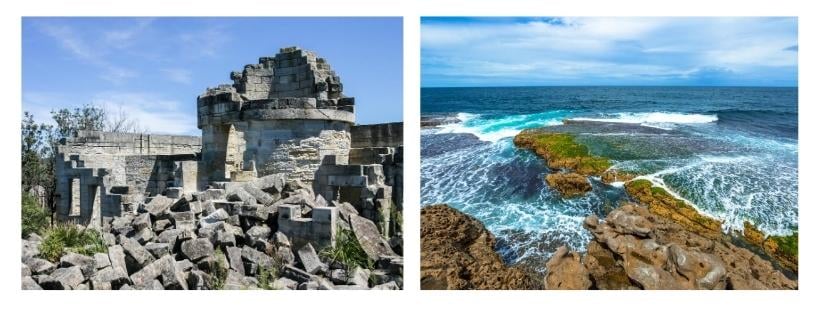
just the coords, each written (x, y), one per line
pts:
(729, 151)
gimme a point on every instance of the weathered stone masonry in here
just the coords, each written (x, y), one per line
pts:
(101, 174)
(285, 115)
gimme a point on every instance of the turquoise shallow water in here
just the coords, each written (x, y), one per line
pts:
(714, 147)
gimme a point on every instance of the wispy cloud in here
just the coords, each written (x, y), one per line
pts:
(206, 42)
(605, 50)
(125, 37)
(153, 112)
(95, 49)
(178, 75)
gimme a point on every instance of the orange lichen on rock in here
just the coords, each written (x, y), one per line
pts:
(569, 184)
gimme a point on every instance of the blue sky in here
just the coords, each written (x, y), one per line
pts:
(521, 51)
(153, 69)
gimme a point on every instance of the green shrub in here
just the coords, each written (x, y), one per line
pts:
(266, 277)
(34, 219)
(65, 238)
(348, 251)
(220, 272)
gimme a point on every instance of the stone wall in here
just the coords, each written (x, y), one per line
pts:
(286, 114)
(377, 135)
(98, 174)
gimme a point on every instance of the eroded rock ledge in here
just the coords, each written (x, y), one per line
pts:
(636, 249)
(457, 253)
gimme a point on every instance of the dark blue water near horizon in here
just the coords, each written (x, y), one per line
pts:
(729, 151)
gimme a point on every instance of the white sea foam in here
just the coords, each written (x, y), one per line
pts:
(661, 120)
(495, 129)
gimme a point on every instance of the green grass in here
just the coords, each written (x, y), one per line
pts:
(593, 164)
(561, 145)
(265, 277)
(220, 272)
(348, 251)
(65, 238)
(34, 219)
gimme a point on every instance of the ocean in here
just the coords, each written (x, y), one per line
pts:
(731, 152)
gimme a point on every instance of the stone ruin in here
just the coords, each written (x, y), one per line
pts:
(280, 159)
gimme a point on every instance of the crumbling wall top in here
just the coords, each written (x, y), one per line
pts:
(293, 80)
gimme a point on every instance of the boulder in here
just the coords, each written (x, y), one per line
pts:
(257, 212)
(169, 236)
(63, 278)
(565, 271)
(172, 277)
(158, 250)
(255, 260)
(24, 270)
(234, 256)
(198, 280)
(239, 194)
(257, 235)
(236, 281)
(29, 283)
(117, 256)
(285, 255)
(569, 184)
(196, 249)
(144, 236)
(372, 242)
(217, 216)
(141, 221)
(39, 266)
(310, 260)
(108, 279)
(285, 283)
(159, 207)
(85, 263)
(360, 277)
(31, 249)
(101, 261)
(137, 256)
(386, 286)
(183, 220)
(271, 184)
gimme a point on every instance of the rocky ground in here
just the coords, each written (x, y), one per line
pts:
(636, 249)
(222, 239)
(457, 252)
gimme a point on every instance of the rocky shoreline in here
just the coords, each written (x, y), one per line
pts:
(655, 241)
(457, 252)
(223, 239)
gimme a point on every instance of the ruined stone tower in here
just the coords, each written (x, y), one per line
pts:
(286, 114)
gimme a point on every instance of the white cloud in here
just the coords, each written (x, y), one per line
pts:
(206, 42)
(88, 52)
(124, 38)
(154, 113)
(606, 46)
(178, 75)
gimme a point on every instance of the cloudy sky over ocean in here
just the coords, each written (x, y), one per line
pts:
(744, 51)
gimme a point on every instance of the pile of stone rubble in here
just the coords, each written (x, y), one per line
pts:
(264, 234)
